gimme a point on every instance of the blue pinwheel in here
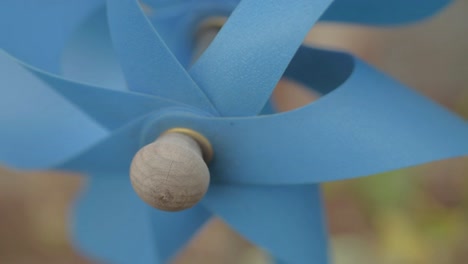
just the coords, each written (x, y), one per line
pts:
(267, 166)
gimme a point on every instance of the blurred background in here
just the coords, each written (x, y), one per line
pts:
(412, 216)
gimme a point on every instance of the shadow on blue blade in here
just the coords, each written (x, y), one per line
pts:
(111, 224)
(148, 64)
(241, 67)
(287, 221)
(110, 108)
(178, 22)
(112, 155)
(320, 70)
(38, 127)
(173, 230)
(383, 12)
(88, 55)
(36, 31)
(370, 124)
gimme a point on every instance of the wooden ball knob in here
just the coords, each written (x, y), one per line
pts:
(171, 174)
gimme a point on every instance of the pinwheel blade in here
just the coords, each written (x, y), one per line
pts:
(111, 155)
(178, 23)
(287, 221)
(241, 67)
(88, 55)
(370, 124)
(173, 230)
(38, 127)
(36, 31)
(110, 108)
(383, 12)
(147, 62)
(111, 224)
(320, 70)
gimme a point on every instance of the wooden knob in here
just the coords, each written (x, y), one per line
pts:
(171, 173)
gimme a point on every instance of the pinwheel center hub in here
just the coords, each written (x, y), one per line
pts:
(171, 174)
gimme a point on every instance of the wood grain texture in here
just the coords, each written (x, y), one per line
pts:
(170, 173)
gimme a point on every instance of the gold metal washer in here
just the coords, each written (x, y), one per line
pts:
(205, 145)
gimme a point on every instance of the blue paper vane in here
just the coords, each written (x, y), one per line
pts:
(266, 170)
